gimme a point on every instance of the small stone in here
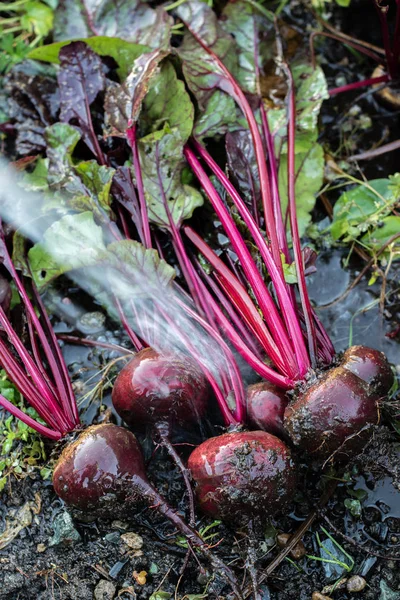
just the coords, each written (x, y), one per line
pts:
(132, 540)
(41, 547)
(318, 596)
(119, 525)
(140, 578)
(112, 537)
(64, 530)
(92, 322)
(356, 584)
(297, 552)
(104, 590)
(117, 568)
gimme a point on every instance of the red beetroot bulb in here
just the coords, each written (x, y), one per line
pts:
(331, 413)
(160, 388)
(371, 366)
(105, 465)
(102, 464)
(266, 405)
(243, 473)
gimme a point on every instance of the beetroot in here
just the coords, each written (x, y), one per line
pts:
(243, 473)
(104, 462)
(266, 405)
(156, 388)
(105, 465)
(371, 366)
(337, 406)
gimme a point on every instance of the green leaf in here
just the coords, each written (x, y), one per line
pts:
(73, 242)
(97, 180)
(123, 102)
(203, 76)
(360, 207)
(390, 226)
(37, 180)
(135, 271)
(37, 18)
(160, 595)
(123, 52)
(167, 102)
(61, 141)
(309, 177)
(162, 164)
(354, 507)
(311, 90)
(254, 35)
(130, 20)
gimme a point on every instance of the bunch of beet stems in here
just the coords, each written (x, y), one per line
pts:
(291, 336)
(391, 49)
(41, 376)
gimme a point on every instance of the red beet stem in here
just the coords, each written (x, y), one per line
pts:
(284, 299)
(298, 256)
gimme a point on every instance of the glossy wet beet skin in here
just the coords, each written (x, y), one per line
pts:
(243, 473)
(337, 406)
(154, 388)
(101, 466)
(265, 407)
(371, 366)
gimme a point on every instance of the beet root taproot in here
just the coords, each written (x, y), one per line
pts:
(333, 415)
(101, 466)
(104, 465)
(160, 388)
(266, 405)
(371, 366)
(243, 473)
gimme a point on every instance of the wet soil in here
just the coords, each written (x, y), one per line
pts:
(94, 561)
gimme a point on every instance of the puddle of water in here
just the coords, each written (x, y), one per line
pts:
(356, 319)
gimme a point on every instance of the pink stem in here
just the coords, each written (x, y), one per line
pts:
(222, 403)
(298, 255)
(260, 290)
(132, 141)
(233, 369)
(358, 84)
(285, 301)
(230, 85)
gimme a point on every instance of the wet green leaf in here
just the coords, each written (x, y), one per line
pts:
(361, 207)
(311, 90)
(124, 53)
(309, 170)
(123, 102)
(254, 35)
(61, 141)
(37, 18)
(135, 271)
(167, 118)
(131, 20)
(37, 180)
(354, 507)
(206, 80)
(167, 102)
(73, 242)
(388, 228)
(162, 164)
(160, 595)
